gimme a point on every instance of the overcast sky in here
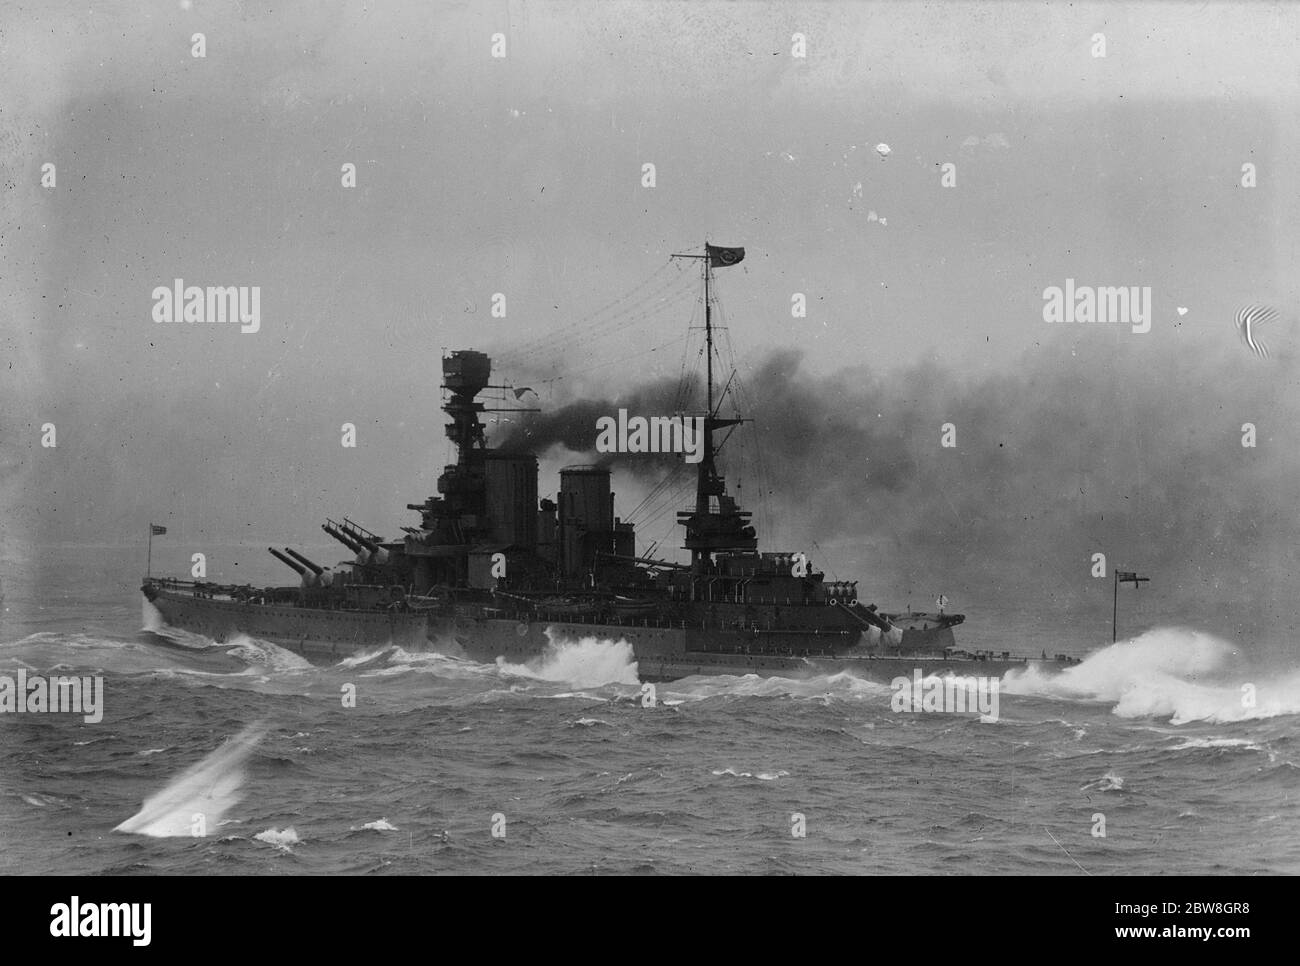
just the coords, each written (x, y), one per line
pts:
(523, 175)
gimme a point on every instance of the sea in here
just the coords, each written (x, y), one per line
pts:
(1164, 753)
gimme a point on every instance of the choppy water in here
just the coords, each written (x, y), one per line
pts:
(1150, 734)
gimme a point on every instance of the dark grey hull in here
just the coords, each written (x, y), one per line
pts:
(662, 652)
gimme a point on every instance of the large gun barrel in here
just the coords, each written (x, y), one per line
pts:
(342, 538)
(377, 553)
(283, 559)
(314, 568)
(320, 576)
(367, 544)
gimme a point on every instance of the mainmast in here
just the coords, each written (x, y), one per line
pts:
(708, 334)
(725, 526)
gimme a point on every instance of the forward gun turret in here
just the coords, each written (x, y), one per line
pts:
(320, 576)
(377, 553)
(312, 576)
(302, 571)
(363, 555)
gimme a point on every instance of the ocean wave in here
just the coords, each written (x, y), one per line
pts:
(1109, 782)
(586, 662)
(364, 657)
(401, 661)
(283, 839)
(763, 776)
(60, 652)
(1197, 743)
(153, 622)
(841, 685)
(267, 656)
(379, 825)
(69, 641)
(1181, 674)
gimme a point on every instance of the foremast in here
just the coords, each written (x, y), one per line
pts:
(716, 523)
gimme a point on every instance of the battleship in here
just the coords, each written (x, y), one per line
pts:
(493, 573)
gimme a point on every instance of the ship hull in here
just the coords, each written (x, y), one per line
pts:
(662, 652)
(321, 635)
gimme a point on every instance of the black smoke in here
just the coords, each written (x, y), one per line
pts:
(573, 424)
(1131, 448)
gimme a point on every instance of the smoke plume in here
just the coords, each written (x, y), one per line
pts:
(1127, 448)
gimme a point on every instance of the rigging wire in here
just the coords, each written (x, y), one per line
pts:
(600, 319)
(685, 380)
(562, 353)
(540, 358)
(635, 355)
(658, 488)
(634, 292)
(747, 403)
(748, 466)
(673, 499)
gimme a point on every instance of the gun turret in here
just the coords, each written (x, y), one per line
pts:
(314, 568)
(310, 573)
(377, 553)
(319, 575)
(302, 571)
(343, 538)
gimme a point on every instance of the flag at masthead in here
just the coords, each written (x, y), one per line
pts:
(720, 257)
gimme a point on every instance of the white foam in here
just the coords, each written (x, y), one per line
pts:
(431, 662)
(841, 685)
(1183, 674)
(151, 617)
(264, 654)
(587, 662)
(1109, 782)
(362, 657)
(209, 788)
(1191, 743)
(281, 839)
(763, 776)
